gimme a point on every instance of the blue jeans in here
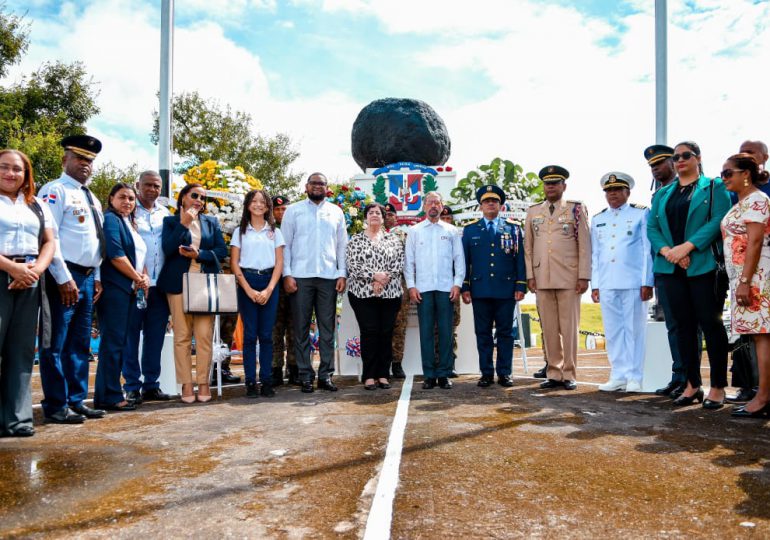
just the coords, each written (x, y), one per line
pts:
(497, 311)
(258, 322)
(115, 309)
(152, 322)
(435, 310)
(64, 365)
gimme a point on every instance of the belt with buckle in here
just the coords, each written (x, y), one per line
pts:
(87, 270)
(21, 258)
(264, 272)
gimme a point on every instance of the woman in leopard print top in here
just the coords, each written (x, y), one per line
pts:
(375, 262)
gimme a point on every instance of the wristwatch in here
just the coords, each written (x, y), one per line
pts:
(743, 279)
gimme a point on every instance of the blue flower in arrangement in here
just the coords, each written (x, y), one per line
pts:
(340, 198)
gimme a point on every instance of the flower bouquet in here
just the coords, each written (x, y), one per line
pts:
(352, 201)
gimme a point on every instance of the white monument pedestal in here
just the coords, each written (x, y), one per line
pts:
(167, 380)
(656, 372)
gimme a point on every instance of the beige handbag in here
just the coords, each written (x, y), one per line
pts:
(209, 293)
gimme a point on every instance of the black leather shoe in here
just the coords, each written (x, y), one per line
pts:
(741, 412)
(276, 377)
(453, 374)
(540, 373)
(444, 383)
(155, 394)
(65, 416)
(505, 380)
(569, 385)
(229, 378)
(293, 376)
(22, 431)
(550, 383)
(327, 384)
(372, 386)
(713, 405)
(266, 390)
(429, 384)
(384, 386)
(115, 407)
(251, 390)
(88, 412)
(678, 391)
(683, 401)
(134, 396)
(485, 381)
(743, 395)
(397, 370)
(307, 387)
(666, 390)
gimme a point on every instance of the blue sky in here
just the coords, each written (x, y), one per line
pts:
(557, 81)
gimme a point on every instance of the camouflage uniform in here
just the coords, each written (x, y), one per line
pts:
(283, 334)
(399, 331)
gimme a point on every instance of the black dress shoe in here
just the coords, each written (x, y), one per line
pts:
(22, 431)
(683, 401)
(713, 405)
(251, 389)
(540, 373)
(453, 374)
(327, 384)
(505, 380)
(372, 386)
(134, 396)
(485, 381)
(115, 407)
(397, 370)
(266, 390)
(88, 412)
(743, 395)
(293, 378)
(384, 386)
(550, 383)
(229, 378)
(307, 387)
(155, 394)
(666, 390)
(678, 391)
(569, 385)
(276, 378)
(444, 383)
(65, 416)
(429, 384)
(741, 412)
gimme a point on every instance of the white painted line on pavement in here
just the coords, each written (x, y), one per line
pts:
(380, 517)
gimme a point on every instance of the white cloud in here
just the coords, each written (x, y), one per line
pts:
(224, 8)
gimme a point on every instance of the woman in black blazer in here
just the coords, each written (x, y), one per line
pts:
(122, 273)
(192, 242)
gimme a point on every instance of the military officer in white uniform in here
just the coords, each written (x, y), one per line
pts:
(622, 280)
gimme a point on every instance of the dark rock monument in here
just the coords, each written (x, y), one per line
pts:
(395, 129)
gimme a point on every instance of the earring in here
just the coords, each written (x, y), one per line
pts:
(746, 182)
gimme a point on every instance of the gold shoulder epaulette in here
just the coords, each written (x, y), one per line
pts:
(600, 212)
(575, 202)
(472, 222)
(639, 206)
(536, 204)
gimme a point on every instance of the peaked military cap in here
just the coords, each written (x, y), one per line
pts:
(657, 152)
(616, 179)
(82, 145)
(553, 173)
(389, 207)
(446, 211)
(280, 200)
(490, 192)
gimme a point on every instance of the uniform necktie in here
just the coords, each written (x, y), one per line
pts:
(97, 223)
(490, 228)
(551, 209)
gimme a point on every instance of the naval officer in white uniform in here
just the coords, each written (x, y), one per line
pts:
(622, 280)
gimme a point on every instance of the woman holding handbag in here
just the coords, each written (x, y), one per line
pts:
(747, 254)
(192, 243)
(256, 256)
(123, 276)
(683, 228)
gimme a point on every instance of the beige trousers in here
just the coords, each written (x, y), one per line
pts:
(185, 326)
(559, 317)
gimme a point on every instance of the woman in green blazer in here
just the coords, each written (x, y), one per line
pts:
(683, 225)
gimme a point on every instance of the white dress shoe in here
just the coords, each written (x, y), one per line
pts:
(613, 386)
(634, 386)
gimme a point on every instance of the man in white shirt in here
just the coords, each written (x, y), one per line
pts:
(314, 273)
(142, 379)
(434, 272)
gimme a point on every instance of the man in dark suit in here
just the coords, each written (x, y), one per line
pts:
(495, 279)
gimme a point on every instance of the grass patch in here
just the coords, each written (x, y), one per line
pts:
(590, 321)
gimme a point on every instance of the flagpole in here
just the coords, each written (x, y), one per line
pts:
(661, 72)
(166, 79)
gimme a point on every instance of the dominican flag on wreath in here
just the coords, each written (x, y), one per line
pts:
(405, 184)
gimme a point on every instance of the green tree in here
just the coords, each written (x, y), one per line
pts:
(510, 176)
(203, 129)
(107, 175)
(14, 39)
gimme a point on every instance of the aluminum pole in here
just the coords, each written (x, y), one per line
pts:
(661, 72)
(166, 79)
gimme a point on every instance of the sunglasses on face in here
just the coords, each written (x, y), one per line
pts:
(728, 173)
(195, 196)
(684, 155)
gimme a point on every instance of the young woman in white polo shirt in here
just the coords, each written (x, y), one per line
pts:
(256, 256)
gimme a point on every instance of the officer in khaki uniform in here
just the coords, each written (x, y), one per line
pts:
(557, 248)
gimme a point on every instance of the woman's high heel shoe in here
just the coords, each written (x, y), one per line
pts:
(203, 398)
(683, 401)
(188, 398)
(741, 412)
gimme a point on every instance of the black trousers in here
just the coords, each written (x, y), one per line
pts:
(695, 302)
(317, 295)
(376, 319)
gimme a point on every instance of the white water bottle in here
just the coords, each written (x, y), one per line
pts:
(141, 301)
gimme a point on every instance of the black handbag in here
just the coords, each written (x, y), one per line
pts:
(744, 368)
(722, 281)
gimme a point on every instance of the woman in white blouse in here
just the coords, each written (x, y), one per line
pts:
(27, 246)
(256, 257)
(375, 262)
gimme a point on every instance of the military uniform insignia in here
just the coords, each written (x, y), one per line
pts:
(639, 206)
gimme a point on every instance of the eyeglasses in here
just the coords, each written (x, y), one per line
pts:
(684, 155)
(6, 168)
(316, 183)
(195, 196)
(728, 173)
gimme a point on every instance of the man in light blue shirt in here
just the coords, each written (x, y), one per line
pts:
(434, 272)
(314, 273)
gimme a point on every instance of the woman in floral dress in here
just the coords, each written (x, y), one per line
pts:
(746, 231)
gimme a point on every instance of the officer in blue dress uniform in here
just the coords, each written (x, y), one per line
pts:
(495, 279)
(74, 284)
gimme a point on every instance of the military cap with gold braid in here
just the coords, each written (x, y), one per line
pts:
(82, 145)
(490, 192)
(657, 152)
(553, 173)
(616, 179)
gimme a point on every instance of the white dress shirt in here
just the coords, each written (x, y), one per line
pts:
(74, 225)
(316, 239)
(149, 223)
(257, 246)
(140, 248)
(20, 226)
(434, 257)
